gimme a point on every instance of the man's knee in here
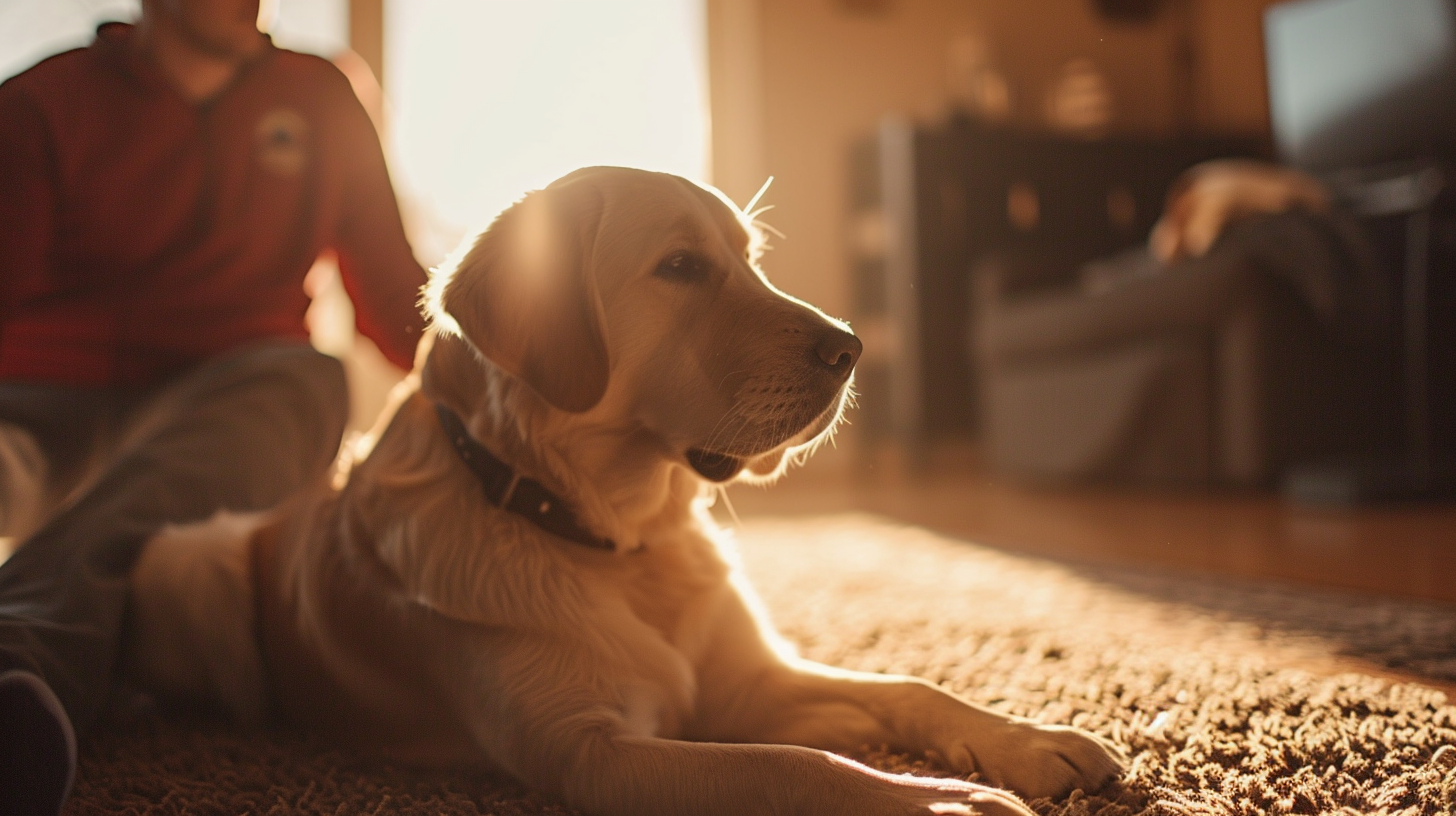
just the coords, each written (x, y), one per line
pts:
(280, 401)
(309, 386)
(318, 379)
(328, 389)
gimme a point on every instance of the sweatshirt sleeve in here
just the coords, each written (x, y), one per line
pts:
(379, 270)
(27, 197)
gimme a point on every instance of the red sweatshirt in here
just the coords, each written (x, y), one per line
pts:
(142, 233)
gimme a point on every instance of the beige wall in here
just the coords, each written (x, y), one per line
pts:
(1231, 85)
(794, 82)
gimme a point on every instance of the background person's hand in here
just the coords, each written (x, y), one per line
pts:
(1210, 196)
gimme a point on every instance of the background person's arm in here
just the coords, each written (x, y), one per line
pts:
(379, 270)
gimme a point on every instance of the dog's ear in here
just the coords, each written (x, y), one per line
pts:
(525, 295)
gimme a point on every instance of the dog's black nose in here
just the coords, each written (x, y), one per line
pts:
(839, 350)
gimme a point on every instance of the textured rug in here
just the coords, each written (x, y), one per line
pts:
(1230, 698)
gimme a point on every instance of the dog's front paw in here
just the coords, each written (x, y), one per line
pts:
(1040, 760)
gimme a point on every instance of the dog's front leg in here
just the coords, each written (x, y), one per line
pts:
(612, 772)
(587, 733)
(804, 703)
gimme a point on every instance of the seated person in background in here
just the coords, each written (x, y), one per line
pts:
(163, 193)
(1252, 334)
(1284, 220)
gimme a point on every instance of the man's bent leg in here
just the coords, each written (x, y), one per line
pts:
(241, 433)
(50, 435)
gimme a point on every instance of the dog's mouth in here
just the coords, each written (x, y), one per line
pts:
(715, 467)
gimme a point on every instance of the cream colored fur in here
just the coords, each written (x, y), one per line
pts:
(193, 600)
(643, 681)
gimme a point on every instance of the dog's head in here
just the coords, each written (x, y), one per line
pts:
(634, 299)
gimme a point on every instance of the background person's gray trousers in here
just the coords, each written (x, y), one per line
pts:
(240, 433)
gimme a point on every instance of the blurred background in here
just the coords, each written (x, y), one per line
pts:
(972, 183)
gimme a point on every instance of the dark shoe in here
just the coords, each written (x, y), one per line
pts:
(37, 747)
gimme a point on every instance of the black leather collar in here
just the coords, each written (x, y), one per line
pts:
(505, 489)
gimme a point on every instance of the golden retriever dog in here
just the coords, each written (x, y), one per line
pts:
(1212, 195)
(520, 570)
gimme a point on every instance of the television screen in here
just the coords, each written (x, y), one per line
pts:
(1354, 83)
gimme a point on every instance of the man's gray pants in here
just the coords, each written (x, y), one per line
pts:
(100, 471)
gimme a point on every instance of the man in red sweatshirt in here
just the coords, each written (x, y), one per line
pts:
(162, 194)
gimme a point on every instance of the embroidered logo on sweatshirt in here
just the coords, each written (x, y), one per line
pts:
(281, 142)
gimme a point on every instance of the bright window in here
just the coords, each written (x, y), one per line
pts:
(491, 98)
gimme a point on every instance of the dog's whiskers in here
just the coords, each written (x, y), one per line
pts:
(728, 504)
(720, 426)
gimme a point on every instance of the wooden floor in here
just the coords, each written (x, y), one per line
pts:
(1403, 551)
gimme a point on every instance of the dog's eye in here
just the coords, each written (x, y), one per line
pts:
(683, 267)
